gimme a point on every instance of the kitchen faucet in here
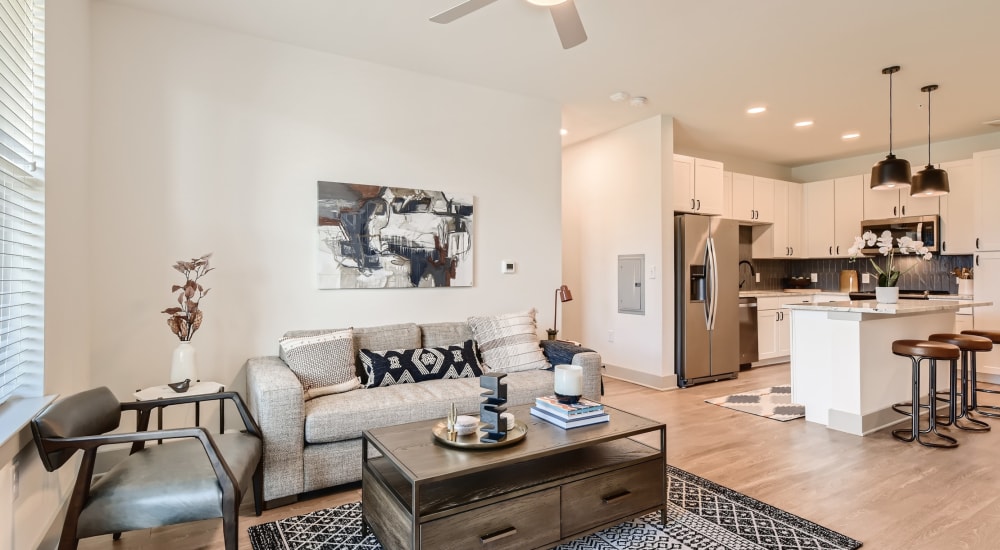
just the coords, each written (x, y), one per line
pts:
(753, 272)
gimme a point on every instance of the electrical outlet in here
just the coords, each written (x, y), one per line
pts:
(756, 277)
(814, 277)
(652, 272)
(611, 336)
(865, 278)
(508, 266)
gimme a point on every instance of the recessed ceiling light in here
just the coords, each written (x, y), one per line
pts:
(545, 2)
(563, 131)
(756, 110)
(852, 135)
(803, 123)
(619, 96)
(638, 101)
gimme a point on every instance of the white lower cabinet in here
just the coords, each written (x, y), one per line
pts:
(774, 325)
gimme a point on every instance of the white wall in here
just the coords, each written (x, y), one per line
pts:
(616, 193)
(943, 151)
(208, 141)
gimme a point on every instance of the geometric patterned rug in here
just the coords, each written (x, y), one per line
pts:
(701, 515)
(775, 403)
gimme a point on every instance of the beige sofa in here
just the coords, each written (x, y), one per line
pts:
(314, 444)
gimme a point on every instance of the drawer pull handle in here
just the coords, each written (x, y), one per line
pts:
(615, 497)
(497, 535)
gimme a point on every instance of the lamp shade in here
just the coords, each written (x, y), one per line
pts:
(564, 294)
(930, 182)
(890, 173)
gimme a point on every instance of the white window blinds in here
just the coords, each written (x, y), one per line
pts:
(22, 197)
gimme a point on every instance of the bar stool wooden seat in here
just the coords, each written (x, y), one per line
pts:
(969, 345)
(992, 411)
(917, 351)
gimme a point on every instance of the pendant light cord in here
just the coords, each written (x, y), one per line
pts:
(928, 127)
(890, 113)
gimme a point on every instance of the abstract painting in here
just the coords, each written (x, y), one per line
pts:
(372, 236)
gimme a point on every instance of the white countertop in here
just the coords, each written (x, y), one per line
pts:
(810, 291)
(902, 307)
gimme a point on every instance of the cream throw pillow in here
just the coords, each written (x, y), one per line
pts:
(324, 363)
(509, 342)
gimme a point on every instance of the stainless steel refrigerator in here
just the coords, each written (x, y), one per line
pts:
(706, 299)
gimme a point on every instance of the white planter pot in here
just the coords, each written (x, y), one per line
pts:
(185, 364)
(887, 294)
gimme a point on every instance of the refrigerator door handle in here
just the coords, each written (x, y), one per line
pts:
(713, 282)
(706, 304)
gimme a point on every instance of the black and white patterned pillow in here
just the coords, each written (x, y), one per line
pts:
(324, 363)
(408, 366)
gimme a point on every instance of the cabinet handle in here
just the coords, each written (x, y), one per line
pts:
(497, 535)
(793, 251)
(904, 209)
(615, 497)
(699, 204)
(893, 210)
(944, 246)
(831, 251)
(692, 204)
(977, 260)
(838, 249)
(977, 243)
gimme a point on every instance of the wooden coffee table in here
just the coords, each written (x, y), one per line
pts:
(553, 486)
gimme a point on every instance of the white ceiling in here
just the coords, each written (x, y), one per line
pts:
(702, 61)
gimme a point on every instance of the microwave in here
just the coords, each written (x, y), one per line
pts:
(922, 229)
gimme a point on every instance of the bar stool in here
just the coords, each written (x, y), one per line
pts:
(917, 351)
(985, 410)
(969, 345)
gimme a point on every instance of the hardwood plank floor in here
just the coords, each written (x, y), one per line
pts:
(888, 494)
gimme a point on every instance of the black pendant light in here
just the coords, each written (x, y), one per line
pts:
(891, 173)
(929, 182)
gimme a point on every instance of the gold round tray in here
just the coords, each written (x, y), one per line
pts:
(471, 441)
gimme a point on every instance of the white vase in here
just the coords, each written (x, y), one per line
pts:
(887, 294)
(185, 364)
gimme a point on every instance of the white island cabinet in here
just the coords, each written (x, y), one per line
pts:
(843, 368)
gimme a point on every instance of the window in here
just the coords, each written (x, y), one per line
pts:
(22, 197)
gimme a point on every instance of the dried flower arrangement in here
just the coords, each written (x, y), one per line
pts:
(185, 320)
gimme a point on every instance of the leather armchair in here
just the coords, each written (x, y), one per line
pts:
(193, 476)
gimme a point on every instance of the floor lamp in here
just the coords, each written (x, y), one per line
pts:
(562, 295)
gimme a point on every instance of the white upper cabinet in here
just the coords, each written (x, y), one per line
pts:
(753, 199)
(895, 203)
(783, 238)
(697, 186)
(831, 231)
(958, 228)
(795, 239)
(986, 166)
(727, 195)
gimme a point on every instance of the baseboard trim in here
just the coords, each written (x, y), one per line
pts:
(871, 422)
(652, 381)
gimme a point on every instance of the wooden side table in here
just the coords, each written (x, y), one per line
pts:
(164, 391)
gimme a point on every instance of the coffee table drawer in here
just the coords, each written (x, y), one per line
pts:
(600, 499)
(529, 521)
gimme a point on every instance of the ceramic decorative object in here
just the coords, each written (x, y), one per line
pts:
(495, 429)
(180, 387)
(184, 365)
(466, 424)
(887, 294)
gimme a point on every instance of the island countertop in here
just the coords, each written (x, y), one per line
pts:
(901, 308)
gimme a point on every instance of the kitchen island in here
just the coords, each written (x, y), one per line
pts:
(843, 369)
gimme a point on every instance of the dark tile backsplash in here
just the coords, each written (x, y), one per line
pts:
(934, 274)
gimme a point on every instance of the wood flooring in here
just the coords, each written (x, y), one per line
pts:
(887, 494)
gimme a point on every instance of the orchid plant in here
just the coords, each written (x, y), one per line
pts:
(889, 276)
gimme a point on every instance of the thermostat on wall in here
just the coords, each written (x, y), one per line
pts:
(508, 266)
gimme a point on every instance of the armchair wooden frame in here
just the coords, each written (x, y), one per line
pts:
(57, 448)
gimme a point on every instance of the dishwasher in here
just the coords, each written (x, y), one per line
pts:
(748, 332)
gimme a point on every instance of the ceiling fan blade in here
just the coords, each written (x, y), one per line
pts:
(568, 24)
(465, 8)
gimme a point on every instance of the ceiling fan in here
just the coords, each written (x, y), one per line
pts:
(564, 15)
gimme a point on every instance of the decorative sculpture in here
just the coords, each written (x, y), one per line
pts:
(494, 405)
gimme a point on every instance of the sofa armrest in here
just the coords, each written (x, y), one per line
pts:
(276, 400)
(592, 365)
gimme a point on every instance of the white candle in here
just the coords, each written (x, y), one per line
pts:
(569, 380)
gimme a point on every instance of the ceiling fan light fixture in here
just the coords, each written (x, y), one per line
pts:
(929, 182)
(891, 172)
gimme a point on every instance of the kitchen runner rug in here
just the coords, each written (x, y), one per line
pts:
(774, 403)
(701, 515)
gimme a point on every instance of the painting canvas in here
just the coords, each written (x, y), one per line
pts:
(372, 236)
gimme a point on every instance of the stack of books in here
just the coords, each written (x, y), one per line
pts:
(564, 415)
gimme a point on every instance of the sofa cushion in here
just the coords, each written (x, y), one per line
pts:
(345, 415)
(402, 366)
(444, 334)
(401, 336)
(324, 363)
(509, 342)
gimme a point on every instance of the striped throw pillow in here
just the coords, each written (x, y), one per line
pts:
(324, 363)
(509, 342)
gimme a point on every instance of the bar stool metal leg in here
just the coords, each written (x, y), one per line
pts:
(991, 411)
(915, 431)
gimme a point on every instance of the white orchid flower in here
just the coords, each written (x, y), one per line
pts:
(928, 255)
(869, 237)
